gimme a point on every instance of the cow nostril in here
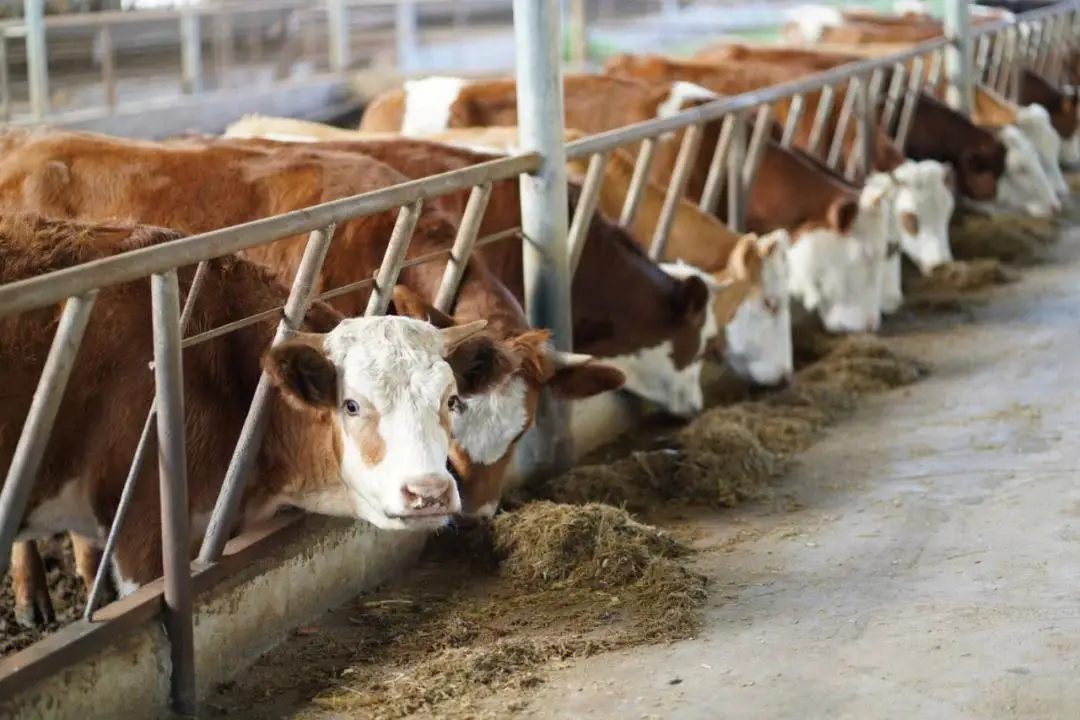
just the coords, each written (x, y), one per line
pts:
(428, 493)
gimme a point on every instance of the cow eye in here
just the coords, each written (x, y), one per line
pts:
(351, 407)
(455, 404)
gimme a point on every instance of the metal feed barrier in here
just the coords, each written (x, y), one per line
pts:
(1040, 40)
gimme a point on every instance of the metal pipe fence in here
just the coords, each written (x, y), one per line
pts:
(745, 126)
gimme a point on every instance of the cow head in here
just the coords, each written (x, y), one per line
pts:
(384, 390)
(978, 171)
(923, 202)
(1034, 121)
(495, 407)
(1024, 187)
(835, 266)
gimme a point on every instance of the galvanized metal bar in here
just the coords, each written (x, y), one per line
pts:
(959, 92)
(794, 117)
(861, 162)
(5, 79)
(680, 176)
(247, 446)
(714, 181)
(37, 58)
(544, 222)
(936, 73)
(579, 34)
(638, 181)
(895, 96)
(586, 208)
(406, 32)
(821, 116)
(1007, 85)
(337, 21)
(846, 109)
(756, 149)
(982, 56)
(907, 113)
(997, 61)
(223, 49)
(1058, 46)
(94, 596)
(34, 438)
(463, 246)
(54, 287)
(737, 195)
(172, 478)
(108, 67)
(390, 268)
(191, 51)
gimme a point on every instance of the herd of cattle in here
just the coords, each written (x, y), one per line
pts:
(412, 418)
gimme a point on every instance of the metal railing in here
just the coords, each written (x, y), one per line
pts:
(746, 126)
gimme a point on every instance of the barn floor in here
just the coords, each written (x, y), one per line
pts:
(930, 565)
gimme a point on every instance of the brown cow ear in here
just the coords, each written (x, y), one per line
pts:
(576, 382)
(303, 373)
(479, 364)
(692, 297)
(746, 261)
(842, 214)
(407, 303)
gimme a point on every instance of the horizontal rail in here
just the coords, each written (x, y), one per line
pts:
(57, 286)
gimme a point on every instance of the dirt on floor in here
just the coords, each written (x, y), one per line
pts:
(68, 596)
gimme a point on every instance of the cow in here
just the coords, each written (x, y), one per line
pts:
(336, 441)
(834, 215)
(74, 175)
(758, 349)
(998, 164)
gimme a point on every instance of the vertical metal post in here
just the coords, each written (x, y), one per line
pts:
(34, 438)
(108, 68)
(191, 51)
(172, 477)
(396, 250)
(407, 30)
(5, 80)
(544, 210)
(579, 34)
(37, 57)
(251, 434)
(337, 21)
(463, 246)
(865, 107)
(959, 93)
(736, 190)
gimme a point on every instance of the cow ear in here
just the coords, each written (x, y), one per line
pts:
(746, 261)
(303, 373)
(841, 215)
(407, 303)
(576, 382)
(691, 297)
(480, 363)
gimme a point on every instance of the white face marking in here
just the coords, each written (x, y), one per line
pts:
(920, 190)
(681, 92)
(1024, 187)
(839, 276)
(67, 510)
(813, 19)
(758, 339)
(491, 421)
(1070, 150)
(392, 366)
(892, 289)
(1034, 122)
(651, 372)
(427, 104)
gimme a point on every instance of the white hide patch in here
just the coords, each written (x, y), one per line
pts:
(394, 366)
(681, 93)
(1024, 187)
(1070, 150)
(1034, 121)
(124, 587)
(651, 372)
(67, 511)
(813, 19)
(428, 102)
(901, 7)
(490, 422)
(919, 189)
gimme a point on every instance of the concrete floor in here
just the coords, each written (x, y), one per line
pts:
(929, 563)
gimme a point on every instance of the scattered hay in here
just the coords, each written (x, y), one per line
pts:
(1009, 238)
(963, 276)
(863, 364)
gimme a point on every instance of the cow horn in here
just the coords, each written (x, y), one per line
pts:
(568, 359)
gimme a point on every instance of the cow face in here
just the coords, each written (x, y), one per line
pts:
(1024, 187)
(836, 266)
(758, 343)
(384, 391)
(923, 202)
(499, 386)
(1034, 122)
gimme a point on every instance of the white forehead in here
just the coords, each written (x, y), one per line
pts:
(427, 104)
(681, 93)
(389, 357)
(1016, 143)
(681, 270)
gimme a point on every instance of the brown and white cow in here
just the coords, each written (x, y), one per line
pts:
(202, 188)
(832, 215)
(337, 442)
(756, 337)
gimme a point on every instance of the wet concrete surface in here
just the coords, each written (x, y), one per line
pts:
(926, 563)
